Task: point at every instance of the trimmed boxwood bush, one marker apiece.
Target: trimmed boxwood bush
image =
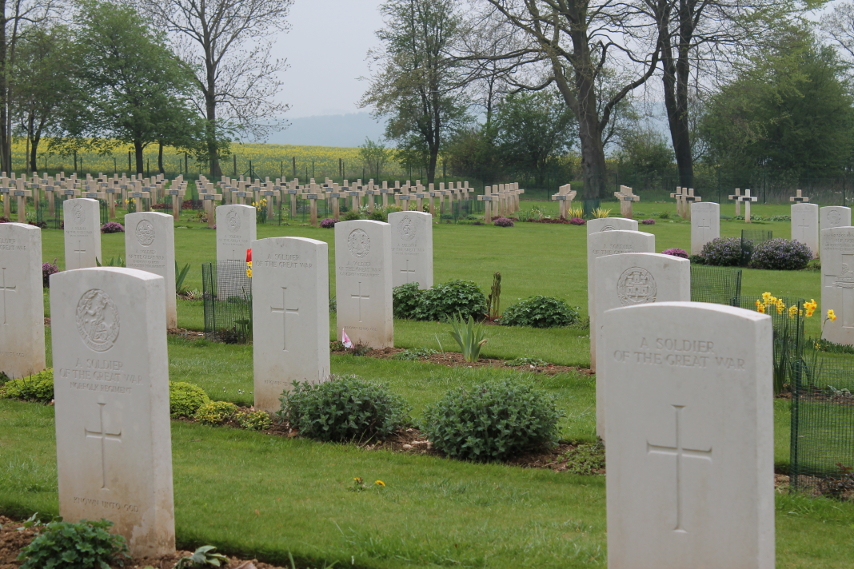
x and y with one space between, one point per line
539 312
342 409
185 399
726 252
36 387
781 255
492 421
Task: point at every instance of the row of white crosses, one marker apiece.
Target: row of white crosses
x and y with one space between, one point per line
500 201
684 198
564 196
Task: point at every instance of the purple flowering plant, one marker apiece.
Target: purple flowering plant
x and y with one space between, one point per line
112 227
648 221
577 221
676 252
781 255
47 270
328 223
502 222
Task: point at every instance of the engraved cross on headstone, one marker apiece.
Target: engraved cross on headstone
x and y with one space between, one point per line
409 272
360 297
4 289
284 311
680 452
80 250
104 436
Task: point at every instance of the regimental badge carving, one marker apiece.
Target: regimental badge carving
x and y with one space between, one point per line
233 220
358 243
407 228
834 217
636 286
608 228
97 320
145 233
79 214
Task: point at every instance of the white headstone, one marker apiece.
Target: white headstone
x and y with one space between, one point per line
290 307
111 382
150 246
837 284
629 279
830 217
690 428
805 225
411 248
611 224
610 242
363 282
705 224
21 303
235 231
82 219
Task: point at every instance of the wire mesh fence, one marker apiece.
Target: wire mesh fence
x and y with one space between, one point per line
719 285
822 440
227 295
750 238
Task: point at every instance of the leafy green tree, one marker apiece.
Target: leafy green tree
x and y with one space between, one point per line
532 129
418 84
789 112
471 153
138 90
44 88
374 155
645 152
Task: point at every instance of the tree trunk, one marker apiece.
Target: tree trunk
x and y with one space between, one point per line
137 150
675 78
160 158
5 138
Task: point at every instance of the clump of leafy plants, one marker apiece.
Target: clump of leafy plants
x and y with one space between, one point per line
649 221
112 227
345 408
440 302
586 459
47 270
414 354
539 312
328 223
781 255
726 251
492 421
185 399
351 215
36 387
204 556
502 222
215 412
83 545
253 420
469 337
676 252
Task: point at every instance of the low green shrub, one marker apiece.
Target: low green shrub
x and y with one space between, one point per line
344 408
408 302
351 215
36 387
253 420
726 252
539 312
455 297
66 545
586 459
414 354
215 412
185 399
492 421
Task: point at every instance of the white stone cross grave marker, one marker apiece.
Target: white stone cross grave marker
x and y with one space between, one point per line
680 201
746 199
798 198
627 198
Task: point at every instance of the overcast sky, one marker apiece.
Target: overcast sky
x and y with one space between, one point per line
326 50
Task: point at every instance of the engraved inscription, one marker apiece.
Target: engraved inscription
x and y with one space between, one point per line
233 220
679 352
145 233
358 243
97 320
636 286
78 213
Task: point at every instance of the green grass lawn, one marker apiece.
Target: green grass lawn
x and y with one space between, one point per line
270 497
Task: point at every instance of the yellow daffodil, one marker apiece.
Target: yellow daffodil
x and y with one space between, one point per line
380 483
760 307
793 311
781 306
831 315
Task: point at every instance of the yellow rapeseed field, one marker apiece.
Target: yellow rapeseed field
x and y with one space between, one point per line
273 160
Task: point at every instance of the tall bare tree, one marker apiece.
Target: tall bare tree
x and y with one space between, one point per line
575 42
226 43
16 17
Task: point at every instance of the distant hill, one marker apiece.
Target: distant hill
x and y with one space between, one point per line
330 130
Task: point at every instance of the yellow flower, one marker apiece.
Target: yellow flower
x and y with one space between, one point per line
766 298
781 306
380 483
249 273
357 479
793 311
831 315
760 307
